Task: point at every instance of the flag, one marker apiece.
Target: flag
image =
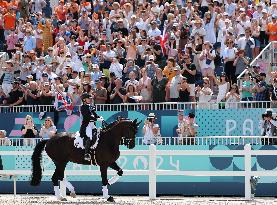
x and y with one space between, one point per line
63 103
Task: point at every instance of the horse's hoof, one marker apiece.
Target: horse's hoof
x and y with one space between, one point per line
110 199
73 194
63 199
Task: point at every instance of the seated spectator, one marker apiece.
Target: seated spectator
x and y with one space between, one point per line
31 94
204 94
48 129
4 140
131 94
132 79
182 123
232 97
15 96
100 93
29 131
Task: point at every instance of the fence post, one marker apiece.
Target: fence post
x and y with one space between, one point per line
247 167
63 187
152 171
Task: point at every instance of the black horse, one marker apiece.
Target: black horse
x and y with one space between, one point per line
61 150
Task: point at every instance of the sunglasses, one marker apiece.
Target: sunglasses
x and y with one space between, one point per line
47 120
206 83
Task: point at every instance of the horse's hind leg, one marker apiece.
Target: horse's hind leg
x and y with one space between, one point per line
103 170
114 179
58 175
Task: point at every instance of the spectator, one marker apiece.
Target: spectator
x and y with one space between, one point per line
31 94
7 77
260 89
15 97
173 87
116 68
29 131
240 62
144 86
132 94
159 86
247 85
46 95
223 87
184 90
151 130
232 97
118 94
204 94
182 124
100 93
229 55
189 130
4 141
48 129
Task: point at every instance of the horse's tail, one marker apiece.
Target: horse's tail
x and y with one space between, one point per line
36 163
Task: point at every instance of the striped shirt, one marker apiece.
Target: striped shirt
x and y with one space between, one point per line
8 77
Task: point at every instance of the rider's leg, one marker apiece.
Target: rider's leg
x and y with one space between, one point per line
87 148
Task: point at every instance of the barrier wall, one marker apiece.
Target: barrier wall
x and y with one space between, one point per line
229 122
223 122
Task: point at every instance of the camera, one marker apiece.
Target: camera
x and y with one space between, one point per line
150 120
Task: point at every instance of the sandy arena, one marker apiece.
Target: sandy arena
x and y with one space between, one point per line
130 200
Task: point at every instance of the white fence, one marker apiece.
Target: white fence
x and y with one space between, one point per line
153 172
145 106
212 140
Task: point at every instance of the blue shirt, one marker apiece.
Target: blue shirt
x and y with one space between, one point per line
29 43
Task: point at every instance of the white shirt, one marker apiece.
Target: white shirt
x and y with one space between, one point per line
154 33
174 93
229 53
148 137
242 42
117 68
200 31
210 31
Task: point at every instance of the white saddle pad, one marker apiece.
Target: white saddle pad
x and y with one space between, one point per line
79 142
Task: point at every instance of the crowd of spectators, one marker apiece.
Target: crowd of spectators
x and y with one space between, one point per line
131 51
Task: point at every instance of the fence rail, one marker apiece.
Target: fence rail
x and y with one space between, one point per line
214 140
146 106
153 172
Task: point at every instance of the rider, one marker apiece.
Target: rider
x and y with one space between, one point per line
88 130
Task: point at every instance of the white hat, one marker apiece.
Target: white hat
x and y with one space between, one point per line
230 30
264 11
4 132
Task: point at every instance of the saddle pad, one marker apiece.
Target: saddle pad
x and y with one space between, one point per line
78 142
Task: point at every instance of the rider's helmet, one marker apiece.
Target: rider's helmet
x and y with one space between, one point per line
85 96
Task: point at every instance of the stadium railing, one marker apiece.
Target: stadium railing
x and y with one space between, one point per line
146 106
212 140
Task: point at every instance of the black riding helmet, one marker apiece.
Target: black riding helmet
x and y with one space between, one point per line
85 96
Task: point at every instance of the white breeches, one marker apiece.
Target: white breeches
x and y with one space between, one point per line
7 88
89 129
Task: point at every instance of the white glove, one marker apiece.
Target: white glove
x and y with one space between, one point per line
101 119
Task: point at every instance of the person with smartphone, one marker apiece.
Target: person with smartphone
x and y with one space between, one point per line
151 130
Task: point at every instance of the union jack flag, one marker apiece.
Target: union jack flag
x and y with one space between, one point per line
64 103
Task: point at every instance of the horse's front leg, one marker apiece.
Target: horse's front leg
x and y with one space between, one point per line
103 170
114 179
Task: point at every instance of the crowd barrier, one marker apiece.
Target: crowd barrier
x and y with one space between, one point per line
146 106
214 140
152 172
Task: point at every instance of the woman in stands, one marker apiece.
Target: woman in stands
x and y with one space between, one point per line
48 129
29 131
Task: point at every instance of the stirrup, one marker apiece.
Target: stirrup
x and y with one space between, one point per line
87 157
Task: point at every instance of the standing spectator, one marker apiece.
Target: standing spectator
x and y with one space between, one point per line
9 20
173 87
247 85
116 68
241 62
232 97
144 86
7 77
190 129
229 55
247 43
31 94
11 40
223 87
272 29
204 94
184 90
207 62
29 41
150 130
118 94
260 89
29 131
48 129
46 95
189 71
159 86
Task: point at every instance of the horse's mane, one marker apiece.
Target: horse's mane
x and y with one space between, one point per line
111 125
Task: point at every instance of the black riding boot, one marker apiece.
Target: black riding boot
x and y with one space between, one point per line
87 148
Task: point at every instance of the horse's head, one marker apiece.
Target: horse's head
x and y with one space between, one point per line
129 132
